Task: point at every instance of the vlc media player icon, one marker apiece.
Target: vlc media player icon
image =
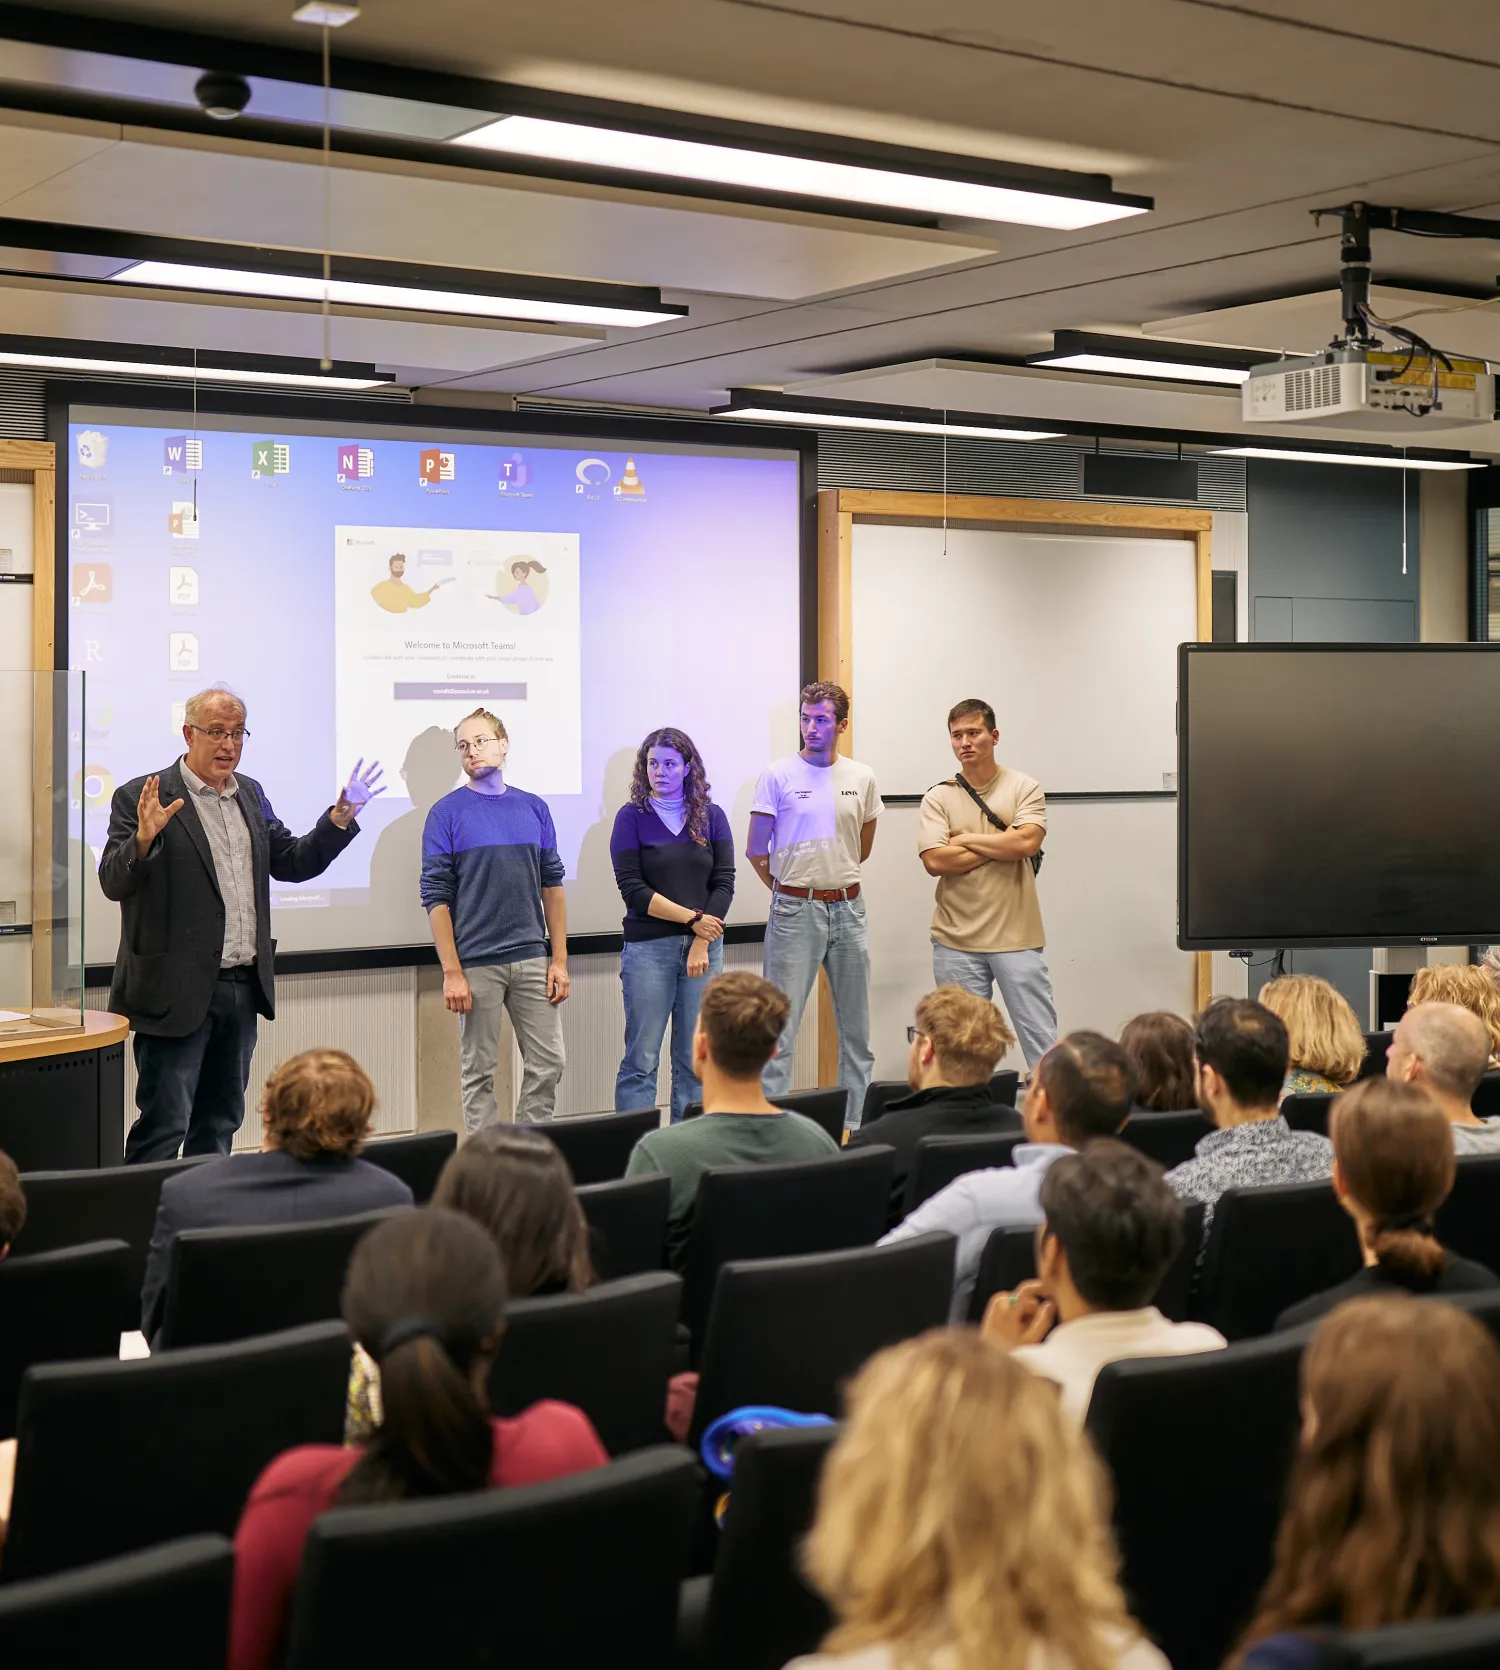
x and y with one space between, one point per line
629 485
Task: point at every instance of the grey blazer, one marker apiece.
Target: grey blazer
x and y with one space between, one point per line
171 911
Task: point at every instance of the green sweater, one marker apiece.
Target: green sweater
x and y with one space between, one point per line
686 1150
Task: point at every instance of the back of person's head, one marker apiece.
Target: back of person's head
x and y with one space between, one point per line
425 1297
1161 1046
1323 1032
1393 1512
1489 965
1449 1041
1471 988
1393 1147
318 1104
968 1034
741 1017
959 1512
1246 1045
1117 1222
1090 1084
517 1185
12 1202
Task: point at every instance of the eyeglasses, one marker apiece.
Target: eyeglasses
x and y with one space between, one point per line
219 734
913 1033
474 747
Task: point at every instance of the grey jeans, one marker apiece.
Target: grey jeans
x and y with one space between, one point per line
521 989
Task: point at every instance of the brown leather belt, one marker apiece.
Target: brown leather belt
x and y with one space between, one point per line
825 895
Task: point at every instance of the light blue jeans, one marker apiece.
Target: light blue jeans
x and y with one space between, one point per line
658 989
803 936
1024 983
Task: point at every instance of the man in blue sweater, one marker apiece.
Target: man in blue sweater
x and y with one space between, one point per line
492 888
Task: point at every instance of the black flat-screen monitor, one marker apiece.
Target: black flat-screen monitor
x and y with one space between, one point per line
1333 794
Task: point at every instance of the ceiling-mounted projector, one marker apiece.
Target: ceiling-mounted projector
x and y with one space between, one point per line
1369 388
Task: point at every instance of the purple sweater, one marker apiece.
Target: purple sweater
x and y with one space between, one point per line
649 858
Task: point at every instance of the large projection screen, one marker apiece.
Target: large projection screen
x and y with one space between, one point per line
1338 795
258 554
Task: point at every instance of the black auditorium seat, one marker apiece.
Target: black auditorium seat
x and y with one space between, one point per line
1309 1111
879 1095
573 1574
1468 1221
116 1456
823 1107
939 1160
415 1159
1005 1086
1486 1098
1168 1138
627 1224
1471 1643
1377 1048
597 1146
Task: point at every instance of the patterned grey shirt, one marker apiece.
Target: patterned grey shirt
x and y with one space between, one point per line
1250 1157
229 838
1483 1138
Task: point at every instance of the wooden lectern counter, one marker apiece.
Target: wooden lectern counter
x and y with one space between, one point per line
62 1095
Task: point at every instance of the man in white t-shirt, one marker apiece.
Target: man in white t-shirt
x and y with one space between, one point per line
812 824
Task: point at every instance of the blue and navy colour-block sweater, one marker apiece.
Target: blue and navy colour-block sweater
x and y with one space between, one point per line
488 857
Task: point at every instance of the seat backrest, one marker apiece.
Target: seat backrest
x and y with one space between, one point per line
1004 1087
1468 1221
115 1203
608 1351
879 1093
777 1211
1268 1248
939 1160
1199 1448
1167 1138
1486 1098
59 1307
597 1147
573 1574
1471 1643
1483 1306
627 1224
416 1160
226 1284
116 1456
790 1331
171 1604
1377 1048
761 1613
1309 1111
827 1108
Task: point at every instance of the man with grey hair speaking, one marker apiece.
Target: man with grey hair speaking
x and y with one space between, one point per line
194 969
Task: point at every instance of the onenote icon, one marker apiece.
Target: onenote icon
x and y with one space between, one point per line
93 448
435 465
269 458
591 472
515 472
629 484
356 463
181 452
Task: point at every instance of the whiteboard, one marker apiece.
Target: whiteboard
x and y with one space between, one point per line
1071 638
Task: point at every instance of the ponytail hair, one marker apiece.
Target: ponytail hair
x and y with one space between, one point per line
425 1297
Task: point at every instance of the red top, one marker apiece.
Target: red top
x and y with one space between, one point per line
549 1441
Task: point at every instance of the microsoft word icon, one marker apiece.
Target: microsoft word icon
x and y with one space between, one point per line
181 452
269 458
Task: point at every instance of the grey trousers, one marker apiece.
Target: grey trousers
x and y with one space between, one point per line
521 989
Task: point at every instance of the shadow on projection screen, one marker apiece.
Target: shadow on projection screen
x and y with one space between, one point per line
364 590
1338 795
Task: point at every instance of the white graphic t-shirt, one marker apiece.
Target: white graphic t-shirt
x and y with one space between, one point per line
819 812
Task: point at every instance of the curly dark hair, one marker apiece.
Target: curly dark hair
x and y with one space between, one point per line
695 784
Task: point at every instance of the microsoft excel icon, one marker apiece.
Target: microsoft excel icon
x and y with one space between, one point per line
268 458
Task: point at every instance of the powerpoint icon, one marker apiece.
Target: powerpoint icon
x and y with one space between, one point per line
434 466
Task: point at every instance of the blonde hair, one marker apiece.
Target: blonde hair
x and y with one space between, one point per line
1461 983
960 1512
501 734
968 1034
215 696
1323 1031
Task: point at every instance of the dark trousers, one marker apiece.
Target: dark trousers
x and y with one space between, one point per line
190 1092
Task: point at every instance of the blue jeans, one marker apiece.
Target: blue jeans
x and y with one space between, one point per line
190 1092
658 989
803 936
1024 983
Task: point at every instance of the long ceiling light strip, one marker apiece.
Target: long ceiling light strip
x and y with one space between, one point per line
761 407
1128 356
1115 366
803 176
178 275
100 365
1388 461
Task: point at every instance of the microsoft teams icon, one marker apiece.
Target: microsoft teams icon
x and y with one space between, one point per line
181 452
356 463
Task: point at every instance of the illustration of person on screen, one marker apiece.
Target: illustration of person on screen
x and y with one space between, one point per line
523 598
395 596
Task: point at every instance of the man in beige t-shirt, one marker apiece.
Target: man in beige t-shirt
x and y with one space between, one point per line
987 923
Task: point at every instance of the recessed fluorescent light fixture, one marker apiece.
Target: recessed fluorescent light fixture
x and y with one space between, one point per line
1373 460
764 407
807 165
115 359
1135 356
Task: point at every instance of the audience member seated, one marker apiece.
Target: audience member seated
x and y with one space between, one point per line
1110 1230
1082 1088
12 1203
1392 1169
1325 1044
516 1185
425 1297
1393 1511
1445 1049
315 1115
1161 1046
1489 965
962 1522
1239 1065
957 1043
1470 988
739 1022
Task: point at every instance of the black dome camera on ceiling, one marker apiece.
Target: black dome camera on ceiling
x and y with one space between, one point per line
221 96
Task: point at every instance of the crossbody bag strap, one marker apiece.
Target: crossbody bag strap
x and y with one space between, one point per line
984 806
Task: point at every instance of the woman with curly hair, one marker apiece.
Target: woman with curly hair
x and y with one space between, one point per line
674 864
1393 1513
1469 987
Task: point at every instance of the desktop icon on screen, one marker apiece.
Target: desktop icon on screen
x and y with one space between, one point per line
93 582
181 452
182 652
356 463
182 587
93 449
435 465
91 516
269 458
515 473
630 485
182 519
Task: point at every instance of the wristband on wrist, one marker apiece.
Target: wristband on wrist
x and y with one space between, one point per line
694 920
